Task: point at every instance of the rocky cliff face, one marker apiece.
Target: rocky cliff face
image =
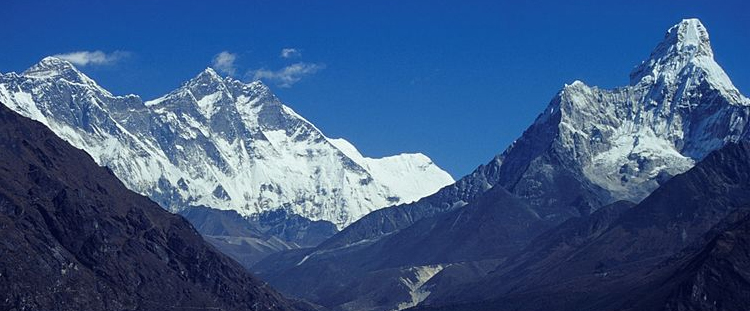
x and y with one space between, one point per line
220 143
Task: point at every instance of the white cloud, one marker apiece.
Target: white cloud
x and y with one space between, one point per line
84 58
290 53
224 62
287 76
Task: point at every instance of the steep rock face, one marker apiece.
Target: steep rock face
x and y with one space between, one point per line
75 238
218 142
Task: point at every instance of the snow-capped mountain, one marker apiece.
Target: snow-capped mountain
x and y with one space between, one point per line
218 142
621 143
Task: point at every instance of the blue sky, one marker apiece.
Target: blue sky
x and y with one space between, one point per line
456 80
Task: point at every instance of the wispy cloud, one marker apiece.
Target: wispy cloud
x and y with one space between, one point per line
85 58
290 53
224 63
287 76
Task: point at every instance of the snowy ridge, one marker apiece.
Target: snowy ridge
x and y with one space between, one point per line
218 142
395 170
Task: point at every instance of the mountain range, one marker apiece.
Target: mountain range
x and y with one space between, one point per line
589 157
632 198
220 143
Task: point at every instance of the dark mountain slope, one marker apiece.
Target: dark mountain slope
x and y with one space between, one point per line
495 226
634 257
717 278
390 219
456 284
249 240
711 274
74 238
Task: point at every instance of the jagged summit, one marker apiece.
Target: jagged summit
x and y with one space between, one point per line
685 52
209 75
52 67
680 106
682 45
209 81
211 72
206 77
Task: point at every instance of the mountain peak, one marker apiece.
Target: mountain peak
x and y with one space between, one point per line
210 72
682 44
52 60
51 66
689 35
208 76
207 82
259 85
574 84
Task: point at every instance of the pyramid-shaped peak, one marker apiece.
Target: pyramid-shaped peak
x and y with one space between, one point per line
204 83
55 61
683 43
57 68
207 75
211 72
51 66
689 34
